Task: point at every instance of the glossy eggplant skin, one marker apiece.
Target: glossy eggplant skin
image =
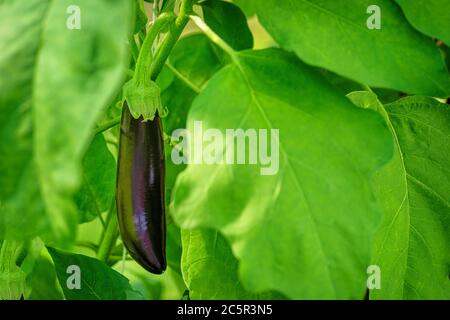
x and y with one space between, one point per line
141 191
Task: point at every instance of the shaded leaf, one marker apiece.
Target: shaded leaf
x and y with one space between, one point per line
141 19
228 21
431 17
42 280
347 86
98 182
210 269
334 35
248 6
168 5
98 281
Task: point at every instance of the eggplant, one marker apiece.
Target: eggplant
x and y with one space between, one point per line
141 190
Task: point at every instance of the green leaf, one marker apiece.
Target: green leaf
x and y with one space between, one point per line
168 5
312 222
431 18
173 247
99 181
412 246
347 86
46 134
168 286
42 280
141 17
98 281
228 21
196 59
134 295
248 6
334 35
12 278
21 24
446 51
86 70
210 270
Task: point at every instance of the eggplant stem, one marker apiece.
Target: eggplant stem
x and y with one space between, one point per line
164 50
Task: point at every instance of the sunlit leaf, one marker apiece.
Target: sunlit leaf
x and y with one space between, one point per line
294 226
412 246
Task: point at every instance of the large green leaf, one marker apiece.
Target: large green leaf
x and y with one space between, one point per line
229 22
307 230
431 17
56 83
99 181
20 29
210 270
98 281
333 35
412 246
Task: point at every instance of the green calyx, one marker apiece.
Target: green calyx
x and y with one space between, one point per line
143 99
141 93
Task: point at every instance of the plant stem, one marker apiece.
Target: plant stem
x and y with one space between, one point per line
124 257
155 14
215 38
169 41
110 236
99 215
134 48
107 125
87 244
184 79
144 62
367 88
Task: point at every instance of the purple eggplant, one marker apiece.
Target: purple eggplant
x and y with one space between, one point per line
141 191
